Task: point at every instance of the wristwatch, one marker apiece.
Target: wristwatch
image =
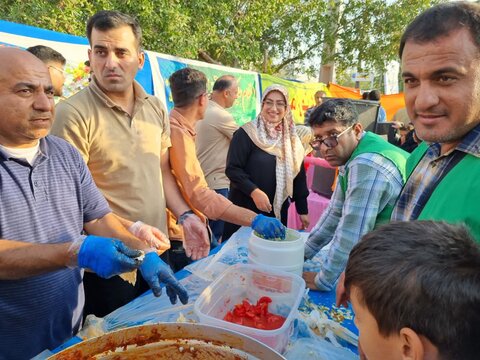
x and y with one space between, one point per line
181 219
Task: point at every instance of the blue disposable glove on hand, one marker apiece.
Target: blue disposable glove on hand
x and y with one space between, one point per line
107 257
155 271
268 227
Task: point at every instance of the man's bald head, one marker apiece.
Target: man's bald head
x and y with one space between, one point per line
225 91
13 59
26 98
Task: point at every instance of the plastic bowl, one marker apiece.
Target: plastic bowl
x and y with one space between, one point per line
245 281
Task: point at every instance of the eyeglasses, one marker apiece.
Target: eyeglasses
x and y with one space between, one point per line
330 141
271 104
58 69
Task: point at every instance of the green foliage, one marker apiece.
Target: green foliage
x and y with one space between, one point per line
282 36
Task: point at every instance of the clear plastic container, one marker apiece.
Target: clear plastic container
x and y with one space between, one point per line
246 281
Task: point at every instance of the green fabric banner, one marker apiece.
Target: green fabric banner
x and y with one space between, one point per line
245 107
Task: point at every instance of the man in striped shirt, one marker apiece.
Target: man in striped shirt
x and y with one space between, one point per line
47 197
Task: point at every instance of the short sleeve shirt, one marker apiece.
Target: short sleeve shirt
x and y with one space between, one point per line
45 203
122 152
214 134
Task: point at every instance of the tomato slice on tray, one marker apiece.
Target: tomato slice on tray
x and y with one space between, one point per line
255 316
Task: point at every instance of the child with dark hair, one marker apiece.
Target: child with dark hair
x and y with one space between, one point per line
415 290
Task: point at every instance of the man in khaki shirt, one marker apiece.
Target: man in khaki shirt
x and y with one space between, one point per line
214 134
123 134
189 92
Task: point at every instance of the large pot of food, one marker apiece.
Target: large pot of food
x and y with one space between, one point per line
181 341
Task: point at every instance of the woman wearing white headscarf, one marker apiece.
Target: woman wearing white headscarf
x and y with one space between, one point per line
265 162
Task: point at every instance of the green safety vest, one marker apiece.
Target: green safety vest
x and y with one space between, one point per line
456 199
372 143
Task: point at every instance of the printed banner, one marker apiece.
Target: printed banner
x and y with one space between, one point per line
245 107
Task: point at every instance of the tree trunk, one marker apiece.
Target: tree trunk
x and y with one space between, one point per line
265 60
327 68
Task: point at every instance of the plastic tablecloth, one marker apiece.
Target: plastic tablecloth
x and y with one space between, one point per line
147 309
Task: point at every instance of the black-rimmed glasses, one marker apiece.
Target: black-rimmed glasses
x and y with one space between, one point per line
329 141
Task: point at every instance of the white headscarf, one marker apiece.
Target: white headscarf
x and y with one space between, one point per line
282 141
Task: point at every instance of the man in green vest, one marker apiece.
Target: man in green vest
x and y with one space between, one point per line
371 175
440 52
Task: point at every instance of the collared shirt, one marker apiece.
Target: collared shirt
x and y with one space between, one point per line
189 175
214 134
122 152
427 174
373 183
46 203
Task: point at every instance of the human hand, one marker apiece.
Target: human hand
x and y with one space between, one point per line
309 277
155 271
261 200
196 242
151 236
268 227
340 292
106 257
305 221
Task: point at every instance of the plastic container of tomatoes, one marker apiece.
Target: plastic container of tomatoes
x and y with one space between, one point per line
251 283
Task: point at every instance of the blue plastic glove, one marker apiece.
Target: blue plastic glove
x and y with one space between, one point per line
107 257
268 227
155 271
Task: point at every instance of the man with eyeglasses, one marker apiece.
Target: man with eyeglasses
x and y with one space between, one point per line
55 63
371 175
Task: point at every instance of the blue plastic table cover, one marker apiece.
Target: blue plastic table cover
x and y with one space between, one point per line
233 251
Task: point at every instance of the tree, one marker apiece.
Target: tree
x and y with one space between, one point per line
282 36
368 31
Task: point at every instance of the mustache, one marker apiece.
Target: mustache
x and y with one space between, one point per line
42 115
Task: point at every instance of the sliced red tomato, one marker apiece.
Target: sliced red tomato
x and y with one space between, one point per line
256 316
228 317
264 299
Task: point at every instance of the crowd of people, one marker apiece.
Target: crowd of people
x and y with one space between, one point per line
107 183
